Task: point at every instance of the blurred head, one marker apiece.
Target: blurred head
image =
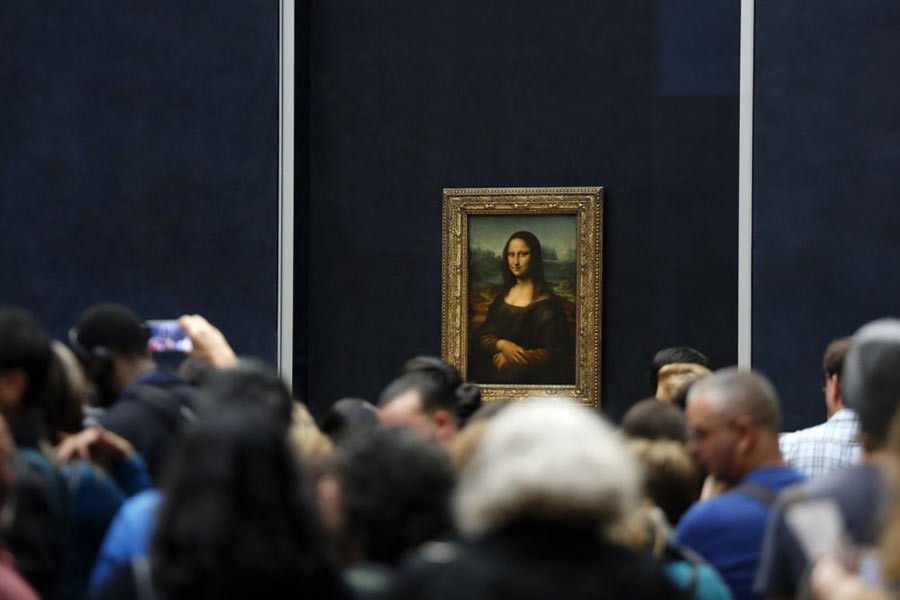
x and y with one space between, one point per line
733 419
67 392
428 397
466 442
449 390
250 384
871 379
113 327
346 416
238 518
675 354
653 420
672 378
109 339
832 365
550 460
24 361
671 478
392 494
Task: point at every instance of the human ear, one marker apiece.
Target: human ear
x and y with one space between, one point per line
444 425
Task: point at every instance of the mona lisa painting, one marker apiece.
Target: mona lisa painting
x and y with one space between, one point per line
522 282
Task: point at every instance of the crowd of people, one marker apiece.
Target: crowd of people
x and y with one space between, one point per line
123 479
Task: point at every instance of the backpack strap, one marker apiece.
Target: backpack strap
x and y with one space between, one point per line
143 577
757 491
675 552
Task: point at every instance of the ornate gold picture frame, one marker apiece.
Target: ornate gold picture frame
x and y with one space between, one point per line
522 281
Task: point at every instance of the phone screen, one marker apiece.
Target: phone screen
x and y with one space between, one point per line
167 336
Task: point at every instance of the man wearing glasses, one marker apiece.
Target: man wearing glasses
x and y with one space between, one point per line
832 445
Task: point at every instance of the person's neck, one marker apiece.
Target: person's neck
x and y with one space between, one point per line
135 368
768 455
835 408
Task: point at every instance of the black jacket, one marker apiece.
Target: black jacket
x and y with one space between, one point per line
149 413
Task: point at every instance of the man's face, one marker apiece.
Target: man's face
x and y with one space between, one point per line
406 411
712 440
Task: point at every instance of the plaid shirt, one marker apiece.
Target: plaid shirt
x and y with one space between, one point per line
819 450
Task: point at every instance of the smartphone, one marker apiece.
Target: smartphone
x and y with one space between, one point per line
167 336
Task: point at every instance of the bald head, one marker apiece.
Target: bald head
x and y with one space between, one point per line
733 393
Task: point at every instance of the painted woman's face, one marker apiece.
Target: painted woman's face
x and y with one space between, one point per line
518 257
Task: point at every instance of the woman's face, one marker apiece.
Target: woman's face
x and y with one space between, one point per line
518 257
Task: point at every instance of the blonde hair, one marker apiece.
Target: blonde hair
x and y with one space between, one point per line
672 378
313 447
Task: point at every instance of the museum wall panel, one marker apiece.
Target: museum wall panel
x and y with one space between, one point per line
826 215
140 147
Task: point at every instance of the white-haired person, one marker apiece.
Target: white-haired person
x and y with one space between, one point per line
535 506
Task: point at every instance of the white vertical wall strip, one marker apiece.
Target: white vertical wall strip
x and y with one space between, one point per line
286 190
745 189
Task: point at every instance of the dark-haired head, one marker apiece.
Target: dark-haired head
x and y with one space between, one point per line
24 356
446 389
252 385
395 489
675 354
438 384
536 264
238 519
346 417
654 420
113 327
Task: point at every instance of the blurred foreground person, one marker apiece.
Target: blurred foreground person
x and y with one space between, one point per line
858 495
238 521
546 484
671 485
733 422
12 585
388 493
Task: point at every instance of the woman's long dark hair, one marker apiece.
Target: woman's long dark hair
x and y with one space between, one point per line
535 267
238 520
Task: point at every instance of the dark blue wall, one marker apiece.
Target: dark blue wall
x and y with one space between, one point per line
410 97
138 161
826 202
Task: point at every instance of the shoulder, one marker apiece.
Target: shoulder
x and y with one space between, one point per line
710 515
802 435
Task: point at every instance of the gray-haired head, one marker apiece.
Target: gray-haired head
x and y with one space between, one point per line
550 460
871 378
739 392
